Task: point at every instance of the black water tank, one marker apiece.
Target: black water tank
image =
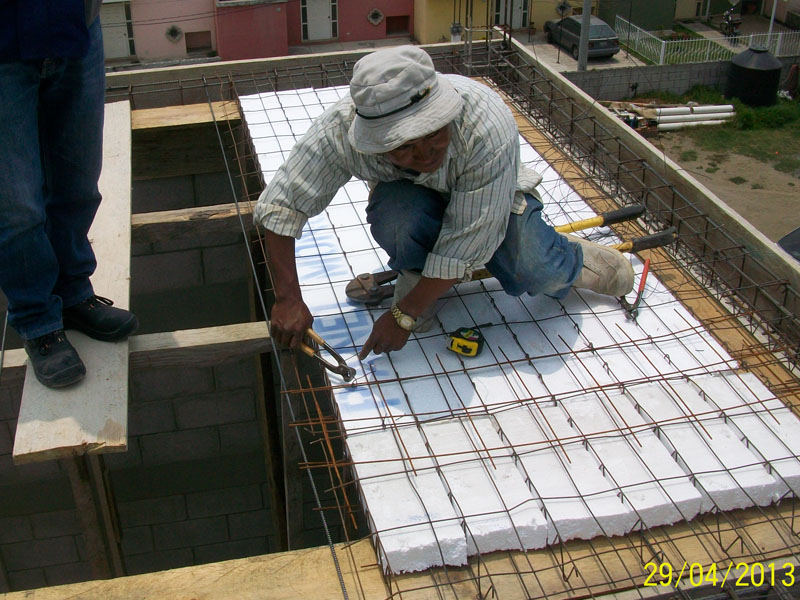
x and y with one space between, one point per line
754 77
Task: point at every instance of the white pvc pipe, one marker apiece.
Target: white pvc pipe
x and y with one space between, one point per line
689 118
673 126
688 110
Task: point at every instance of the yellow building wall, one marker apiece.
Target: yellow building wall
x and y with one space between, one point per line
686 9
433 18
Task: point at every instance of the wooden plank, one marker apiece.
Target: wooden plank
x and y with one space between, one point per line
202 347
91 416
185 223
308 573
199 347
184 116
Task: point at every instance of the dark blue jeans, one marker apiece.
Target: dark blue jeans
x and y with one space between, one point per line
51 135
405 219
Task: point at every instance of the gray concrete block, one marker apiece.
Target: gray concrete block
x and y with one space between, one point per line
224 501
9 409
70 573
214 409
236 374
150 417
152 510
249 524
6 436
26 580
176 446
169 382
230 550
55 524
171 271
226 263
158 561
15 529
39 553
132 457
136 540
21 497
165 193
222 238
212 188
194 532
215 473
240 437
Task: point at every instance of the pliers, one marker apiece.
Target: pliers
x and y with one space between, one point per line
340 368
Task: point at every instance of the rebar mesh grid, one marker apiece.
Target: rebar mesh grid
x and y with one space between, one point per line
565 568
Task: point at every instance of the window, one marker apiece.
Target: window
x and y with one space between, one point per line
198 42
397 25
698 9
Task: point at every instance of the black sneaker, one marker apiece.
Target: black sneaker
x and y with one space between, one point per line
55 362
99 320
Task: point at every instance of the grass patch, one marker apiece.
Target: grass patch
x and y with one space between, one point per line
712 169
787 165
738 180
689 156
756 186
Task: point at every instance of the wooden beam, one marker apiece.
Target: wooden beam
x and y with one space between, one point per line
199 347
308 573
197 222
176 117
91 416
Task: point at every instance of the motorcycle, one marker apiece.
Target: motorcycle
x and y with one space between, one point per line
730 25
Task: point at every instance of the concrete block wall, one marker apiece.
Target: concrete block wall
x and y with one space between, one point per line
192 487
40 535
191 282
628 82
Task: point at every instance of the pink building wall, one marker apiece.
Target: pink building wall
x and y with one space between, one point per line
252 31
353 23
151 20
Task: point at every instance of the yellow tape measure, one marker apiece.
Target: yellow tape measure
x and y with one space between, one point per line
466 341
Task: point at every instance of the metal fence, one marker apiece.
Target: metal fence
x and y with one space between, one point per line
666 52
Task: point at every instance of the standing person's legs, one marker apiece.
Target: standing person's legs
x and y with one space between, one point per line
28 264
71 136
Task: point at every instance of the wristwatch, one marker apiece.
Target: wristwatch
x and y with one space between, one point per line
405 321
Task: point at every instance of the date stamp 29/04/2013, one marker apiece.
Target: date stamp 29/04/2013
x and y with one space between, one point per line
737 574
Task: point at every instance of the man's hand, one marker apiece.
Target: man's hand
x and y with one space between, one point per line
290 320
386 336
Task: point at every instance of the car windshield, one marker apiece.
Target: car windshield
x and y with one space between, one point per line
601 30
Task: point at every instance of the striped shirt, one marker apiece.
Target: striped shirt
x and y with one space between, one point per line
481 174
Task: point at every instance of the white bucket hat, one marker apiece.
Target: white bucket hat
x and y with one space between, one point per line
398 97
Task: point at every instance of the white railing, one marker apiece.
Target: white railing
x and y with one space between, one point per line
704 49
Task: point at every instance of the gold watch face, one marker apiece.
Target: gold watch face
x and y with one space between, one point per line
407 322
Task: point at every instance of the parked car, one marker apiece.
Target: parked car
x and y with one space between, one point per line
603 40
791 243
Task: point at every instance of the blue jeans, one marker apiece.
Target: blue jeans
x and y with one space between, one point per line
51 135
405 219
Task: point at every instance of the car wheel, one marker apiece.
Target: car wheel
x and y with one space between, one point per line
575 52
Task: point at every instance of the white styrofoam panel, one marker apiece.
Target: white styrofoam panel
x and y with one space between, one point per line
504 516
619 458
408 506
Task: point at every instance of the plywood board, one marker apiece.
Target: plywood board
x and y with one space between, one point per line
91 416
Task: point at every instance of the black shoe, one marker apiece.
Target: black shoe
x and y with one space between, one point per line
99 320
55 362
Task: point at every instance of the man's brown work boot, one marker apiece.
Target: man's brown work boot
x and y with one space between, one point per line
406 281
605 270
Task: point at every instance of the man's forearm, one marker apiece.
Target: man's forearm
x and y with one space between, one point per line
280 254
425 293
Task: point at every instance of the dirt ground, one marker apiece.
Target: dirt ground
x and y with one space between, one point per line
768 199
